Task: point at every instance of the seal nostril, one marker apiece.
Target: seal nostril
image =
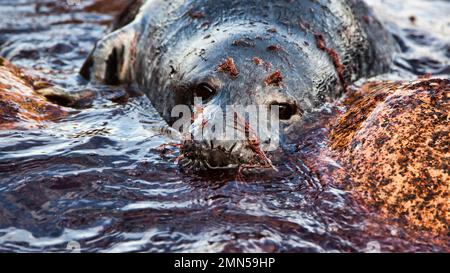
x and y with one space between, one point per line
205 91
286 110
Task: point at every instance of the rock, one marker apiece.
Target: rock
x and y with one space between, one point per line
20 105
393 143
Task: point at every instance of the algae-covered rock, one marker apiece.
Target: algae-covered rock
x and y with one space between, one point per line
394 142
20 105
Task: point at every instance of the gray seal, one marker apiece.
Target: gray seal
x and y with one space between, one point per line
296 55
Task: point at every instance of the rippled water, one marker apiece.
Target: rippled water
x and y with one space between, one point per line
98 180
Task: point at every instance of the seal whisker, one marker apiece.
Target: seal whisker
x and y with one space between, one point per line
203 166
188 164
232 147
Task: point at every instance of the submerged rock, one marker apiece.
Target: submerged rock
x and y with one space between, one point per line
393 143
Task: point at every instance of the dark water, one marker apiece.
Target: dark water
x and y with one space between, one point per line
98 180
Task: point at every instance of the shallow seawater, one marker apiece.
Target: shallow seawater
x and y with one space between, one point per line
97 179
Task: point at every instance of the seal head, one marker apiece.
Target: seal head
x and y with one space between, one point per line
293 55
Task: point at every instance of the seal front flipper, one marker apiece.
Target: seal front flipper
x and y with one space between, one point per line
111 60
129 14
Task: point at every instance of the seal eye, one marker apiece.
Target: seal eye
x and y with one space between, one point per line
286 110
205 91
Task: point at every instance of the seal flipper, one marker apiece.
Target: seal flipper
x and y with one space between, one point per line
112 59
128 15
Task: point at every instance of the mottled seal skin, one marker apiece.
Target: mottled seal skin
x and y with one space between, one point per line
393 142
294 54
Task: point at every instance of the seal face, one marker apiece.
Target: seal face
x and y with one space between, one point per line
296 55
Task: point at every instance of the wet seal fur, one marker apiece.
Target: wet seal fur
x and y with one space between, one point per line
297 55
